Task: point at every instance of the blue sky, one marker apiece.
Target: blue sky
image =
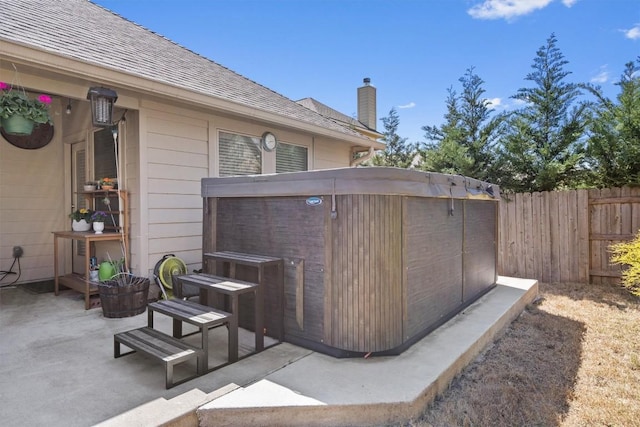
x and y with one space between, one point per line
413 50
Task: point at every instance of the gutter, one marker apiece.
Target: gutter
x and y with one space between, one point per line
359 160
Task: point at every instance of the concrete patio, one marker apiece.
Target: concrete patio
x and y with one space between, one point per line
57 369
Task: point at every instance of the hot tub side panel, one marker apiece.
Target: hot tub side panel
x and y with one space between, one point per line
480 248
288 228
365 294
433 260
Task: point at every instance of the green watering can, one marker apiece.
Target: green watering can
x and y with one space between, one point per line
106 271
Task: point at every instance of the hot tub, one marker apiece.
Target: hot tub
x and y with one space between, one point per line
375 258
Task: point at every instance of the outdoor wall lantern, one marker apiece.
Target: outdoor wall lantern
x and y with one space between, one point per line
102 100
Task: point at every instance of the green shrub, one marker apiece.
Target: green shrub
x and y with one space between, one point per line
628 253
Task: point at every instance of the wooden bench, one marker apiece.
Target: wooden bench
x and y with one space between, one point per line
202 316
163 347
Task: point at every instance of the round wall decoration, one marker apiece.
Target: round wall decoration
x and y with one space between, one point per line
269 141
41 136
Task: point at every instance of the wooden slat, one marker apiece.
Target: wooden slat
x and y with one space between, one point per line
582 232
546 238
606 200
605 273
617 237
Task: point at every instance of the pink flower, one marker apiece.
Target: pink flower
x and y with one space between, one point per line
4 86
45 99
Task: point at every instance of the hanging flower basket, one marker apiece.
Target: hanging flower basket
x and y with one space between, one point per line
17 125
19 113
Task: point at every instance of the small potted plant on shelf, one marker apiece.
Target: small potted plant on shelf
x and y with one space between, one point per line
81 219
19 113
89 186
108 183
98 218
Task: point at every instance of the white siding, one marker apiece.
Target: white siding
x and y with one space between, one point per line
329 155
32 206
176 161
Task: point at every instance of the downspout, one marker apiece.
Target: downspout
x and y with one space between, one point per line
356 162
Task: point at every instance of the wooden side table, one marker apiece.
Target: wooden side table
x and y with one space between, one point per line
76 281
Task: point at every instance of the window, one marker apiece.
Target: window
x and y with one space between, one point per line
291 158
239 154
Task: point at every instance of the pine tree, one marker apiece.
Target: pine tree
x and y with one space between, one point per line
464 144
614 141
398 153
543 148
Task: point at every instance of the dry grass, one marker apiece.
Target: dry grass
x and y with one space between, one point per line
571 359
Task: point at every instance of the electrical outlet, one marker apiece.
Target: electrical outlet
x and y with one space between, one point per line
17 251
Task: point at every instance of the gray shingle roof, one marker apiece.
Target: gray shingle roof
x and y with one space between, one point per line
85 31
329 112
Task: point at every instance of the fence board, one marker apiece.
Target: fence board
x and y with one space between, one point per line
584 255
538 224
565 235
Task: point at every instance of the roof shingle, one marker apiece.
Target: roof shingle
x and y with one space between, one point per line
87 32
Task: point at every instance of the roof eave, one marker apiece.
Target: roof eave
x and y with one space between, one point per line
97 74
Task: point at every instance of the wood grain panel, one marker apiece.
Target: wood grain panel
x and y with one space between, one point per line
366 286
284 227
433 261
479 248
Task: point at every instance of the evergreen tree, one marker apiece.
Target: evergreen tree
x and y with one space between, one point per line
398 153
614 141
464 144
543 148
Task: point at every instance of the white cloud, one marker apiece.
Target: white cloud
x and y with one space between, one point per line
494 103
633 33
569 3
409 105
519 102
602 76
507 9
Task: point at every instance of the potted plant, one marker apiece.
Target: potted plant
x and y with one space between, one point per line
98 218
108 183
89 186
19 113
81 219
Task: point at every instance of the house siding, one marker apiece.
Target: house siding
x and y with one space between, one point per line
328 155
166 149
30 190
176 160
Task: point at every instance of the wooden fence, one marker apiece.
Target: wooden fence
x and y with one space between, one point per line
563 236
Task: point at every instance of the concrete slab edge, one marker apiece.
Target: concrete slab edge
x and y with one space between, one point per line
179 411
374 414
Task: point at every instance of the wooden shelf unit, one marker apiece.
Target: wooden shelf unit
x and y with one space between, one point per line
94 201
78 282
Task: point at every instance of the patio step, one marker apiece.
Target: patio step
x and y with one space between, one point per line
179 410
160 346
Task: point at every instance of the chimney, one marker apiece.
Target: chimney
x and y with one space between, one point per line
367 104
